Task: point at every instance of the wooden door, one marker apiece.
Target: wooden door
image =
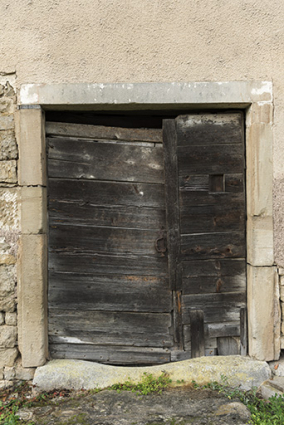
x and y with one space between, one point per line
109 293
204 165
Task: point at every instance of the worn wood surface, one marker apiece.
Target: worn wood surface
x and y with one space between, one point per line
197 340
107 327
209 276
110 292
103 132
206 128
243 332
114 355
228 346
83 159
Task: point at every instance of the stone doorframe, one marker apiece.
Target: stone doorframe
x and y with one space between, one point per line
255 98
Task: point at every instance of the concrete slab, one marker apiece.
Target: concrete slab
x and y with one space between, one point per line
242 372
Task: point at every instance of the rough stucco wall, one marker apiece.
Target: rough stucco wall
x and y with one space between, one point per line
151 40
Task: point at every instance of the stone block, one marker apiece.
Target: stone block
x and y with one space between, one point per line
32 158
7 122
8 145
282 293
260 241
2 318
32 307
7 280
266 390
7 303
34 210
11 319
8 356
8 171
7 105
259 169
9 213
8 336
7 259
281 280
261 113
263 314
9 373
24 373
5 384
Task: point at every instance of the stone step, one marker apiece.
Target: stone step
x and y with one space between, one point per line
272 387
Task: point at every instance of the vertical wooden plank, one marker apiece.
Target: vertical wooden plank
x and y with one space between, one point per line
177 320
197 333
243 331
172 198
228 346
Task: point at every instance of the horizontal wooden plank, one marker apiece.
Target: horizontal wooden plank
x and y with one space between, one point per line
213 245
209 276
101 264
234 183
208 128
103 132
217 307
179 355
108 193
81 159
218 159
115 355
216 330
112 328
74 213
190 198
213 218
110 292
104 240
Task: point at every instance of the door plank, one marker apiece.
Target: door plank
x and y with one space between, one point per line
209 276
208 128
197 333
213 245
114 355
110 292
195 199
228 346
104 161
103 132
99 328
108 193
74 213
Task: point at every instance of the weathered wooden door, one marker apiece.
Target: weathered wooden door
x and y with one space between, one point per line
147 240
204 164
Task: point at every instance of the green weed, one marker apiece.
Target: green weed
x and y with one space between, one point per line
149 384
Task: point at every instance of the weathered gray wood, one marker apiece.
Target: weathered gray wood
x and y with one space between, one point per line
177 320
228 346
192 198
127 264
234 183
215 330
217 307
210 344
209 276
74 213
219 159
108 193
213 245
103 132
243 331
172 197
197 333
104 240
114 355
199 183
112 328
104 161
208 128
177 356
213 218
109 292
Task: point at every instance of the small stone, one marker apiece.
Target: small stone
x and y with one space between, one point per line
7 280
11 319
9 373
25 373
8 356
8 171
235 408
2 318
7 122
7 105
8 336
7 303
25 414
8 145
9 90
5 384
266 390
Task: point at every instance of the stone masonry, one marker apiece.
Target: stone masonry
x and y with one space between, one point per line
10 363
